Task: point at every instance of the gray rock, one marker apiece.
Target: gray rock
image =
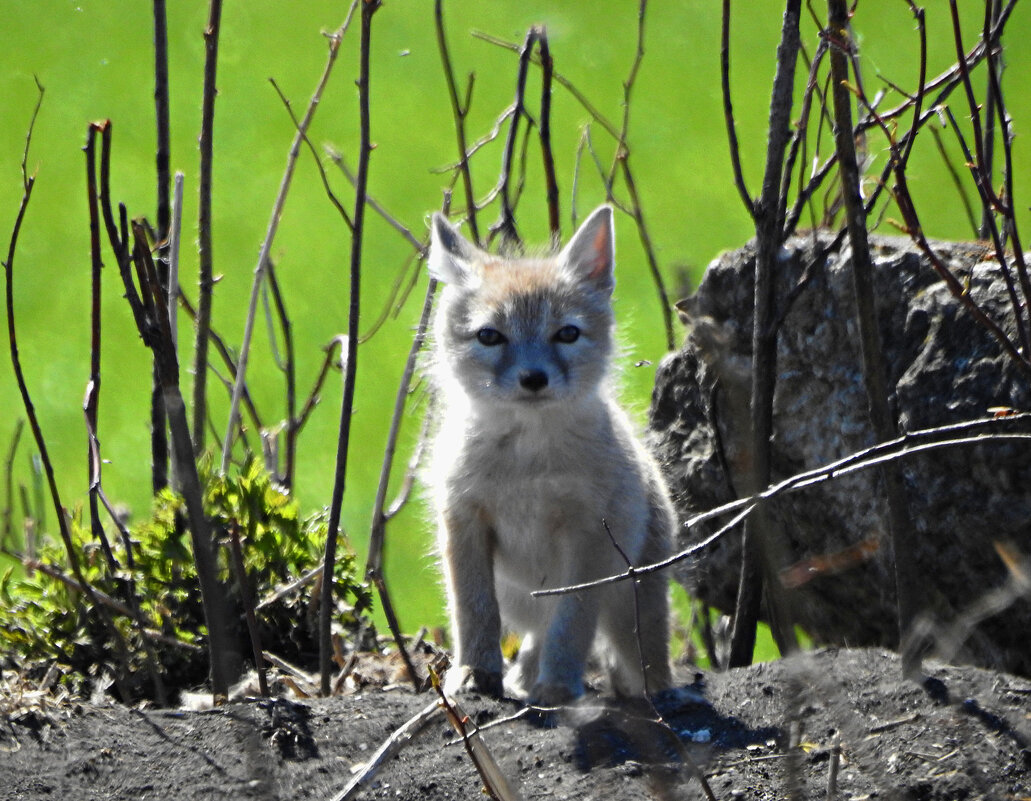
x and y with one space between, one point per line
943 368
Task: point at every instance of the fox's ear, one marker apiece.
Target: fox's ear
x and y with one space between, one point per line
591 253
451 256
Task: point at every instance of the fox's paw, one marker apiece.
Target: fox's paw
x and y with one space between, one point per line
466 679
548 694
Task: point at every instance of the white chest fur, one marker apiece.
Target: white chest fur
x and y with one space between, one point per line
547 481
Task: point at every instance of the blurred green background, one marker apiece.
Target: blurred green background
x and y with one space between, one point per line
96 61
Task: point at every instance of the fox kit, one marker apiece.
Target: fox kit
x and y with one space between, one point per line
533 461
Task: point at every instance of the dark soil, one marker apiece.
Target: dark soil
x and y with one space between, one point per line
965 733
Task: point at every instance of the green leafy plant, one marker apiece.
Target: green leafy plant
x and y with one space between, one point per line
44 619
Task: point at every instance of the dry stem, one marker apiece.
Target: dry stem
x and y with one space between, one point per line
908 444
266 246
369 7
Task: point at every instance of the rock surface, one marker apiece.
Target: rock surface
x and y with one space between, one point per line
943 368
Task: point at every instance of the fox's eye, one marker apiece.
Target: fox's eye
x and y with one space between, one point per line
490 337
567 334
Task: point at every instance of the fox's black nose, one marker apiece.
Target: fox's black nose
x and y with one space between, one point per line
533 380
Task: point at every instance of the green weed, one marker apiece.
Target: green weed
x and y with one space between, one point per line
45 620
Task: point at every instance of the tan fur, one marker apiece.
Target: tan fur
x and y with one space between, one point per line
532 460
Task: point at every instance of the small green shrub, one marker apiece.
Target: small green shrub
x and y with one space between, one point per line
43 620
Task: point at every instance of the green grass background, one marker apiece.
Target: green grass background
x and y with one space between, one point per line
96 61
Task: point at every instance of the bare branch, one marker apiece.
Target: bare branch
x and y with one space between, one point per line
247 599
459 110
875 373
904 446
62 522
561 80
286 475
158 426
91 404
5 534
206 281
759 542
227 358
954 175
496 784
406 233
506 225
156 333
388 750
377 535
798 142
277 209
544 129
315 155
728 111
636 211
369 7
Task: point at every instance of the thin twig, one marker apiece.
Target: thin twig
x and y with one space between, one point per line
377 535
315 155
459 110
293 586
495 783
904 446
992 106
798 140
408 484
875 371
948 80
247 599
227 358
369 7
759 546
622 159
313 398
560 79
988 198
62 521
158 426
174 242
975 107
491 136
206 281
637 605
983 177
400 287
506 226
954 175
728 111
388 750
309 681
266 246
9 482
154 329
286 475
91 404
161 106
544 131
913 227
406 233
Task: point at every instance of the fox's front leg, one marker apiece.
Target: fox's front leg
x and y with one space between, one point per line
567 643
467 551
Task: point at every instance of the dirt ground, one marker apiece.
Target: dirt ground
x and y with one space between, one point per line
964 734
